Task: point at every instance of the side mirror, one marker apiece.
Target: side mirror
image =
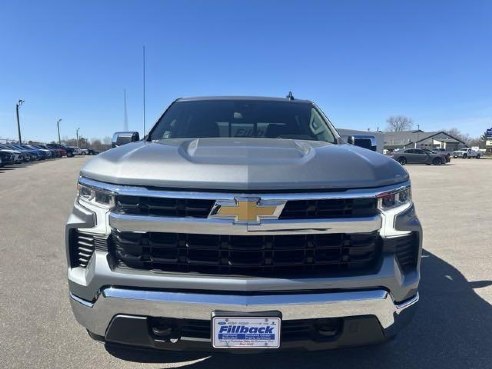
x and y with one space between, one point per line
122 138
351 140
365 141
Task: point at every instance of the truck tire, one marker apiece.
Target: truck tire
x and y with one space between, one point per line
478 156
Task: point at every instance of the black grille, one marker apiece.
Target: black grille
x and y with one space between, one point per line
165 207
332 208
285 255
291 330
199 208
406 249
83 246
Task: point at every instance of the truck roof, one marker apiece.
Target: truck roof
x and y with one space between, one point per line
238 98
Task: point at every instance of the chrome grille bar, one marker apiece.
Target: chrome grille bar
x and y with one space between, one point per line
135 223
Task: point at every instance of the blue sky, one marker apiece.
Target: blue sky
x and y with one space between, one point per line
361 61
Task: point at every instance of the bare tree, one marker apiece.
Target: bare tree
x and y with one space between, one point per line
83 142
398 123
456 133
98 145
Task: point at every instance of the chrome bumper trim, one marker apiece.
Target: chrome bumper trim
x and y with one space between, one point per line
81 301
136 223
97 316
129 190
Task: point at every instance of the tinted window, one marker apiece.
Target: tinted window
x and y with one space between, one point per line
242 118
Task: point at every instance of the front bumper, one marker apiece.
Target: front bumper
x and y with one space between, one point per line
117 304
116 316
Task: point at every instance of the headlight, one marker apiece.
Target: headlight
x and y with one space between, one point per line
394 199
95 196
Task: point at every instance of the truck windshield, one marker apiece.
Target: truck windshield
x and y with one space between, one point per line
243 118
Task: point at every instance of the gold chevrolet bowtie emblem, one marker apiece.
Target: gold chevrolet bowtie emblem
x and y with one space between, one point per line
247 210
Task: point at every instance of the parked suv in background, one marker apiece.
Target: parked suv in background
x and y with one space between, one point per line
243 223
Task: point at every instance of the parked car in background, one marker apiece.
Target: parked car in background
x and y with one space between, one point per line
26 155
34 155
443 151
88 152
59 152
45 154
76 150
61 149
69 152
7 157
23 152
41 154
446 156
417 156
18 156
93 152
466 153
54 152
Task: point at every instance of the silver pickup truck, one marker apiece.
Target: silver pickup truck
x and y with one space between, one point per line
243 223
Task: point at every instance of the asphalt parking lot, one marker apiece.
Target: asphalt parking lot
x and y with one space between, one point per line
452 328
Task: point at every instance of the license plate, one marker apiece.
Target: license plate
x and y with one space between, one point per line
246 332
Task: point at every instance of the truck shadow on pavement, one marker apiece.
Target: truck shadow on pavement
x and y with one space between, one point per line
451 329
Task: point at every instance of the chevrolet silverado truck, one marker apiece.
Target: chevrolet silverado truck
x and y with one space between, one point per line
243 223
466 153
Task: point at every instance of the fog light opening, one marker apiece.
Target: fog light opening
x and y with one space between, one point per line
328 327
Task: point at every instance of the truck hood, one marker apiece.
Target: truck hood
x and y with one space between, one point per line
242 164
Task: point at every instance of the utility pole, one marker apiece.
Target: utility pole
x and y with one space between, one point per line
144 91
58 125
78 146
125 127
19 103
